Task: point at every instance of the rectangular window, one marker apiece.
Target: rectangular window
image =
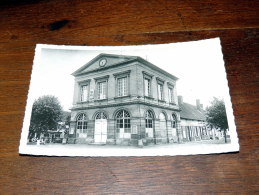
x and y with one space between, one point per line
170 95
127 126
197 132
173 124
122 86
204 131
149 123
84 93
147 87
160 91
101 90
84 127
184 132
79 125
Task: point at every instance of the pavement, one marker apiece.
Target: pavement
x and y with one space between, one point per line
172 149
184 144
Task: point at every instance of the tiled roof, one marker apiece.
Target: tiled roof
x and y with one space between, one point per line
189 111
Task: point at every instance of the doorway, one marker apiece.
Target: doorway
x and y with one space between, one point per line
100 130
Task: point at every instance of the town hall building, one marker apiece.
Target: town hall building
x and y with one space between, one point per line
126 100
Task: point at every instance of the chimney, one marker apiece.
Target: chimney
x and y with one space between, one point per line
199 105
180 99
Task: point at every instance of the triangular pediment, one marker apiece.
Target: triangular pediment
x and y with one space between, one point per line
102 61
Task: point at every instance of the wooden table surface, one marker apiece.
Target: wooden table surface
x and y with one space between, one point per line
24 23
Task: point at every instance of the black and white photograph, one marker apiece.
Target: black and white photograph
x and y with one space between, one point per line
147 100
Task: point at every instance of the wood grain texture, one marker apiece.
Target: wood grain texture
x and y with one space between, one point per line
26 23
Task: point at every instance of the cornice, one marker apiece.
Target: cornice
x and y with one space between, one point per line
84 81
160 80
122 73
147 74
125 103
102 77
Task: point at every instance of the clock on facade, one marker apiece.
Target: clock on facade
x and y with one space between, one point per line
102 62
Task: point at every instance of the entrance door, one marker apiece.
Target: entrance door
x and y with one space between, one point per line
100 131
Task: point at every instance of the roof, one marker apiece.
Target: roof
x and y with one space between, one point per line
125 58
191 112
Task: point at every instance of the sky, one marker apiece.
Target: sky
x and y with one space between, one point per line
199 66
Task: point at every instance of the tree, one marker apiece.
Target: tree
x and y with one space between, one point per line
46 113
66 117
216 115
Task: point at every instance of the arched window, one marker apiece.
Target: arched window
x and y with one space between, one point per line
100 115
123 121
162 116
81 123
173 121
149 119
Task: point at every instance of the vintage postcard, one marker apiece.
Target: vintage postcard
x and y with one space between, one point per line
148 100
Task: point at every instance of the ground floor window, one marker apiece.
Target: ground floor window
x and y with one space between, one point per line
173 124
149 124
184 132
123 124
189 132
197 131
204 131
100 115
149 119
81 125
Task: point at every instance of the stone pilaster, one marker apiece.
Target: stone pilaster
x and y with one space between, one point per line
111 131
90 129
72 132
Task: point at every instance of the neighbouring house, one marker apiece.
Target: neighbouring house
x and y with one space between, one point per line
193 121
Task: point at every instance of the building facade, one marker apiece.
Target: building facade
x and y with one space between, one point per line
124 100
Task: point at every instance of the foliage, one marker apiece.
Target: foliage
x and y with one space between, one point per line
46 113
216 114
66 117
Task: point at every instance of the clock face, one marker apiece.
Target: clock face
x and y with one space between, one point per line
102 62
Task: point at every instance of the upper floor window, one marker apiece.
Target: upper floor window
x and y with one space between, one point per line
147 87
84 93
101 90
170 95
160 89
147 84
101 87
122 86
170 92
122 83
